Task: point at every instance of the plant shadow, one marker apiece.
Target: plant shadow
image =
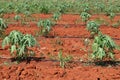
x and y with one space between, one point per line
28 59
107 63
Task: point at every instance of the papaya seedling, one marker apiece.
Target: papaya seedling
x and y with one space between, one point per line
10 5
45 26
110 12
3 26
103 47
85 16
17 10
17 17
62 7
93 28
86 7
56 16
2 11
19 44
27 13
111 16
44 9
99 7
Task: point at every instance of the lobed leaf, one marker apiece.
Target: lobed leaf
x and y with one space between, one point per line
6 41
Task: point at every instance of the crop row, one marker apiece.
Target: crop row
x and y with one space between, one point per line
62 19
20 45
62 6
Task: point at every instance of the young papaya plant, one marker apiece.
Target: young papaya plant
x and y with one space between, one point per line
111 16
10 5
93 27
103 47
86 7
116 25
3 26
56 16
17 17
2 11
99 7
17 10
44 9
62 7
27 13
110 12
45 26
85 16
19 44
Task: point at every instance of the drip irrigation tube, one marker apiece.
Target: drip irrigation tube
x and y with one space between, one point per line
75 37
99 63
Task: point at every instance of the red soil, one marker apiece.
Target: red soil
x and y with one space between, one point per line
70 38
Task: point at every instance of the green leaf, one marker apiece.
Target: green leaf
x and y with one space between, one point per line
17 17
111 55
93 26
101 53
60 56
103 47
5 42
19 42
45 26
28 40
15 37
13 48
56 16
95 47
68 58
85 16
3 25
21 51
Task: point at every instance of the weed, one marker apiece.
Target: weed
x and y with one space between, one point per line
63 60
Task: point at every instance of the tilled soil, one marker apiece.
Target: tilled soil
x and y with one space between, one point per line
68 37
